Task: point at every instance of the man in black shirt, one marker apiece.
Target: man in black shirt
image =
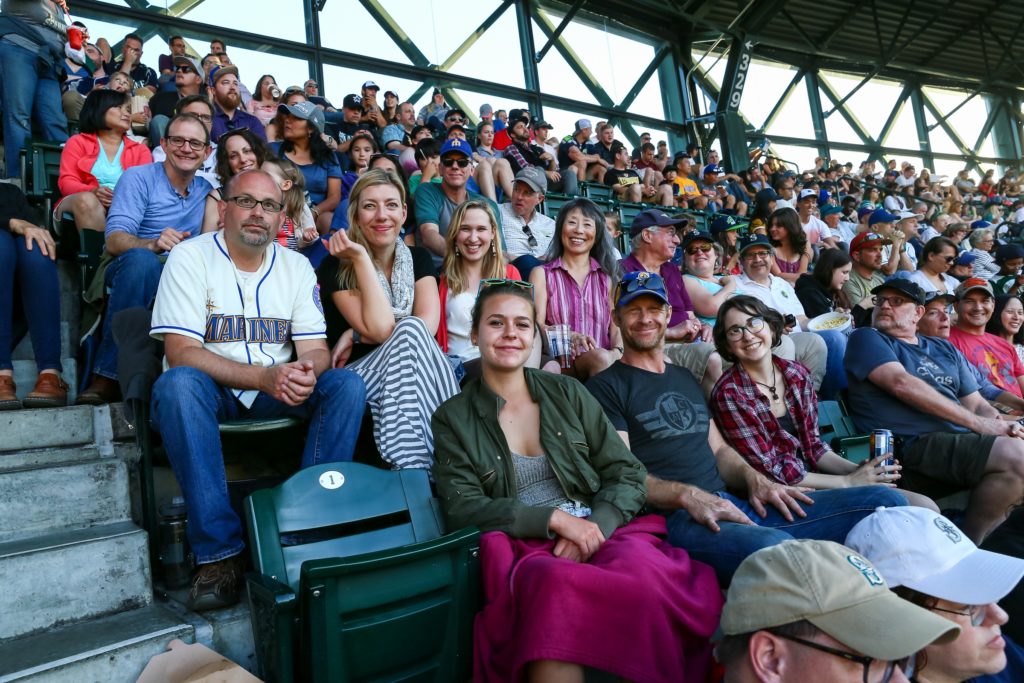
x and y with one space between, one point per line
626 184
522 153
660 412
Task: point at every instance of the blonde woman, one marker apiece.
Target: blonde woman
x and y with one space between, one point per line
382 308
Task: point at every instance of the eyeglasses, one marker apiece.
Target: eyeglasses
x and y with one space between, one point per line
949 259
977 613
449 162
505 282
893 301
757 254
178 141
181 68
643 280
456 119
702 248
247 202
906 664
754 325
311 84
530 239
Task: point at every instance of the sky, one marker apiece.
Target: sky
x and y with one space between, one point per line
616 61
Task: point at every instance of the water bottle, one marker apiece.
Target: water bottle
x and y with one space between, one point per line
175 555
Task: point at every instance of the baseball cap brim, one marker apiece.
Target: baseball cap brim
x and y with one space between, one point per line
886 627
960 583
629 296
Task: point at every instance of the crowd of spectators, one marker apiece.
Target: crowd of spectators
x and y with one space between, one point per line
302 259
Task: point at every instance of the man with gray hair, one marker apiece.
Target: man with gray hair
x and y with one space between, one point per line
526 231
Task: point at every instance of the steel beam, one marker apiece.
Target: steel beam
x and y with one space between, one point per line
471 39
897 107
846 114
524 22
814 102
923 139
634 92
783 98
395 32
558 30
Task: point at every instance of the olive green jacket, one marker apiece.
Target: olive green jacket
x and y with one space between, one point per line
476 478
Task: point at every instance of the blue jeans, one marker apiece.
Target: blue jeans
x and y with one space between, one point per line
132 280
187 407
831 517
28 87
34 276
526 263
834 380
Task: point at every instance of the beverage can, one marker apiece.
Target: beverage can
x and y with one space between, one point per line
882 445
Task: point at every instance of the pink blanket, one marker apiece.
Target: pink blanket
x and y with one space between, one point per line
640 609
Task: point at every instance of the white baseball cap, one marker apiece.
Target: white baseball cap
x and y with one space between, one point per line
924 551
905 214
808 192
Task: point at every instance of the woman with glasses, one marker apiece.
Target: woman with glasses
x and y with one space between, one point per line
792 249
263 104
92 161
767 409
573 286
700 263
932 273
571 578
1007 320
382 309
929 562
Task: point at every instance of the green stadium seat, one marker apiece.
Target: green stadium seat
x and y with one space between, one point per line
553 203
596 192
355 581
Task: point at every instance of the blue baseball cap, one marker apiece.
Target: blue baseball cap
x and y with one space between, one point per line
456 145
980 225
830 209
713 168
639 283
965 258
882 216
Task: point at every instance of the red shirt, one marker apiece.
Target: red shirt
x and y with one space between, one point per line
745 418
994 356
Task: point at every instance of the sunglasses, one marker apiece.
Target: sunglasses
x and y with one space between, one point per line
530 239
448 163
643 281
702 248
184 69
506 283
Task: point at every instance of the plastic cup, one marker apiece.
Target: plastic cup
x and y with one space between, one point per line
560 342
76 37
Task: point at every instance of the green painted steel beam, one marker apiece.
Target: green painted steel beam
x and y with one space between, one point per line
817 120
471 39
783 98
858 128
894 151
524 23
641 82
897 107
395 32
921 122
968 153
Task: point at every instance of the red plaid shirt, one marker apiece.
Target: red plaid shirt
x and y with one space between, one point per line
745 419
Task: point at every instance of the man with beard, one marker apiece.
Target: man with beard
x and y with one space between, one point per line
922 389
228 111
233 308
660 412
156 207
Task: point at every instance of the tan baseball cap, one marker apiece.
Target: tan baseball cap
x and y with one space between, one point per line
835 589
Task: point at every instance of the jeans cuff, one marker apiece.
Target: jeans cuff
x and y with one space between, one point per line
209 559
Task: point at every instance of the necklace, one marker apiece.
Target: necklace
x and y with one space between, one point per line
771 387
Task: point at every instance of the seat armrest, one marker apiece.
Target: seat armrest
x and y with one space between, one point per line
273 614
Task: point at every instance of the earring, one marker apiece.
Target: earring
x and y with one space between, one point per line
494 249
457 252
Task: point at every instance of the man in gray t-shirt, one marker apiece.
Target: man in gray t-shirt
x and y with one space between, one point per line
32 36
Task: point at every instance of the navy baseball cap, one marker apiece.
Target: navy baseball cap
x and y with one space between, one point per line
725 223
1008 252
908 287
639 283
697 236
458 146
713 168
767 195
755 240
882 216
352 101
652 218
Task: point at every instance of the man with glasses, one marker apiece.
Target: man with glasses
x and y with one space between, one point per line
156 207
659 410
436 202
189 80
201 106
817 611
526 231
928 562
949 438
233 308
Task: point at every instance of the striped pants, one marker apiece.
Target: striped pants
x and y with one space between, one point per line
407 378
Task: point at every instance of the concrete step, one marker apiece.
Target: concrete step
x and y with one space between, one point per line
43 500
227 631
49 427
70 576
107 649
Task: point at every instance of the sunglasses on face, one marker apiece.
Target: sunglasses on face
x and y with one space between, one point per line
184 69
448 163
702 248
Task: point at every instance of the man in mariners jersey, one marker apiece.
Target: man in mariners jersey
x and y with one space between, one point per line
233 308
660 412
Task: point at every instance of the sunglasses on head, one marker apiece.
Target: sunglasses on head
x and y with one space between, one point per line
506 283
449 162
644 280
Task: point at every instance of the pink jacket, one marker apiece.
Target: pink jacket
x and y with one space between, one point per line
79 156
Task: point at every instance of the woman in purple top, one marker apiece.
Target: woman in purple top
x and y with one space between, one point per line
792 251
573 288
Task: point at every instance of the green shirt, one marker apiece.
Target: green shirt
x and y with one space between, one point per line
858 287
476 478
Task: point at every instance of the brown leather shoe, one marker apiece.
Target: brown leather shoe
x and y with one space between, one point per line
8 397
216 585
100 390
51 391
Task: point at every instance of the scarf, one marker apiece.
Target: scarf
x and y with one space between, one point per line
402 286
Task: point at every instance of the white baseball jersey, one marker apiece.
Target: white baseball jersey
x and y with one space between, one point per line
245 317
